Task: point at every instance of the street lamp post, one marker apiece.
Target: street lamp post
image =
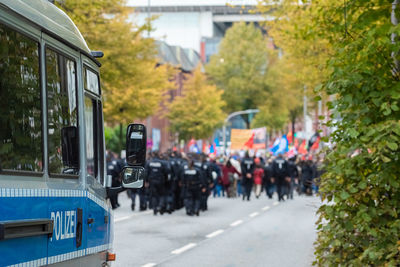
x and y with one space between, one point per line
230 116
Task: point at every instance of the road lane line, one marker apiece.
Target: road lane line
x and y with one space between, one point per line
265 208
183 249
215 233
236 223
124 218
149 265
275 203
254 214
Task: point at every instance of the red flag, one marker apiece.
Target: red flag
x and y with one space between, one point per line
316 144
290 137
250 142
302 148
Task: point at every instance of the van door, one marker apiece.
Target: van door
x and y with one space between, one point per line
66 194
98 219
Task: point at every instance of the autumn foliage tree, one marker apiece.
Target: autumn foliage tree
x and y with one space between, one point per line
132 85
198 112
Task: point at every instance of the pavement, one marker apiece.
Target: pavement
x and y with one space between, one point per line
260 232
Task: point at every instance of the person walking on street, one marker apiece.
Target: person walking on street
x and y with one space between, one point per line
156 177
114 170
269 181
209 182
258 177
307 174
193 184
247 167
280 173
228 178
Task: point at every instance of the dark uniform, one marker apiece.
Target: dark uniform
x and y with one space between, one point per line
193 184
156 176
307 175
269 184
293 174
247 167
114 169
175 193
208 182
280 172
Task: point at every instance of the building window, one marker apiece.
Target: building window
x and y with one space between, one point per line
20 103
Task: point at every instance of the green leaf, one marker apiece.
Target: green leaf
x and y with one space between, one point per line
344 195
362 185
393 146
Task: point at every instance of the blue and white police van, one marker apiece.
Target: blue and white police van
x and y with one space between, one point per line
53 195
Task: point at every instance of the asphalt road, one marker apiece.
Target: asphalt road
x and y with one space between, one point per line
232 232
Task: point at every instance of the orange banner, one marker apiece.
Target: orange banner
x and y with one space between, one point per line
242 139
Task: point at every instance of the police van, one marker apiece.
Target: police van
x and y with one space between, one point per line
53 195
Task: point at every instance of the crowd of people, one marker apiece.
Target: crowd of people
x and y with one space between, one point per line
174 180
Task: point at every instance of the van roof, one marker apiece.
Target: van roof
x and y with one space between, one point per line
50 18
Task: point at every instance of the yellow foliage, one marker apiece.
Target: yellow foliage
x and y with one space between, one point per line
132 85
198 112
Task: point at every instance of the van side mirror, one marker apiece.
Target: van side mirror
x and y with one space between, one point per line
70 147
133 176
136 145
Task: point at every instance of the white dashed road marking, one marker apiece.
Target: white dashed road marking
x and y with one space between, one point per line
265 208
275 203
183 249
215 233
236 223
254 214
149 265
124 218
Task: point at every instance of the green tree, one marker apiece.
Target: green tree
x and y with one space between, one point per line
112 137
198 112
283 101
359 223
240 67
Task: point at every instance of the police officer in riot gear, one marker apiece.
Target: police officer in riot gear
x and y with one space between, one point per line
269 181
169 185
193 185
208 180
280 172
156 177
247 167
175 164
113 169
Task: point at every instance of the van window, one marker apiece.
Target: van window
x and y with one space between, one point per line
91 136
91 81
62 110
20 103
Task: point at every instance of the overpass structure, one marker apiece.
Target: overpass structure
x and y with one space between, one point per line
194 24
